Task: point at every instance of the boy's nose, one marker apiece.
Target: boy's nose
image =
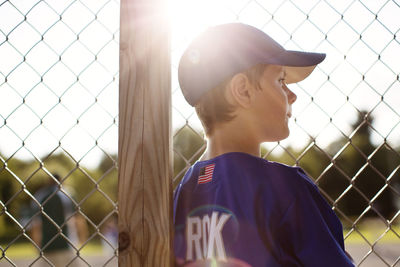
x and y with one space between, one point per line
291 96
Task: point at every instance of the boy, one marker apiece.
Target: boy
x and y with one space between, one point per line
234 208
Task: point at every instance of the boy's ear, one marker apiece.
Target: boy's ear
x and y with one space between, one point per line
239 90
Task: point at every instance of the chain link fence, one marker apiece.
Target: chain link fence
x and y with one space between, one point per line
58 132
59 118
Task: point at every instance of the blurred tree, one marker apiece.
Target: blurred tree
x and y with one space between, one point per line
188 146
100 190
286 156
11 193
95 190
108 162
360 170
80 183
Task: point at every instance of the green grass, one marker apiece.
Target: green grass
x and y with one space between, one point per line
27 250
372 234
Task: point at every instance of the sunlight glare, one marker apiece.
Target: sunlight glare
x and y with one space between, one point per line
189 17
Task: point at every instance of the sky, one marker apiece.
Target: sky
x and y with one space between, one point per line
59 69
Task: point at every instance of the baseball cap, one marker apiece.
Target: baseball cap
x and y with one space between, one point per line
227 49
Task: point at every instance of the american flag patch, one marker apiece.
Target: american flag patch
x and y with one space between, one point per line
206 174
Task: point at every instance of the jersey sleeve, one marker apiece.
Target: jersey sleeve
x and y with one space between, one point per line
312 234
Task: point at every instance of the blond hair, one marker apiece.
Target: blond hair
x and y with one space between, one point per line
214 108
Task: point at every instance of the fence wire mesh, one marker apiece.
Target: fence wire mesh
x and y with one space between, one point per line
59 114
345 133
58 132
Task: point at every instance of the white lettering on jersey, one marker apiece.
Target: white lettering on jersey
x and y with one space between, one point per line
209 231
193 235
215 237
206 232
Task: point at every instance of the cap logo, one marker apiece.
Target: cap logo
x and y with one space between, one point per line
194 56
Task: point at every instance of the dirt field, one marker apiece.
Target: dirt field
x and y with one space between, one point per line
95 261
388 252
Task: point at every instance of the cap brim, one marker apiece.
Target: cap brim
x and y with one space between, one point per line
297 74
299 65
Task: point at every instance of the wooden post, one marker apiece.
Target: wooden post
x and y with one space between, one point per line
144 147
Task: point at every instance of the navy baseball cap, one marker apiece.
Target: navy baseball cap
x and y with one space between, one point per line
225 50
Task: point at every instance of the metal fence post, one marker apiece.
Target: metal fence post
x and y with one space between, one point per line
145 166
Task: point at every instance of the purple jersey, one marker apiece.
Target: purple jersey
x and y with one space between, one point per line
240 210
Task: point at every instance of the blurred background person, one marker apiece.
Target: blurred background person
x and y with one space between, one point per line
58 213
110 232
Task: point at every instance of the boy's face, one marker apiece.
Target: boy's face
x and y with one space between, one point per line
272 105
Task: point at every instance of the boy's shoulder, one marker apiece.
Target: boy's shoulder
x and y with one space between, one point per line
256 169
294 174
292 181
268 170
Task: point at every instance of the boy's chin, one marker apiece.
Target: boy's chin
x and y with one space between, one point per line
278 136
286 134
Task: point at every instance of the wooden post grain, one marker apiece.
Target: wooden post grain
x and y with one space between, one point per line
144 147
